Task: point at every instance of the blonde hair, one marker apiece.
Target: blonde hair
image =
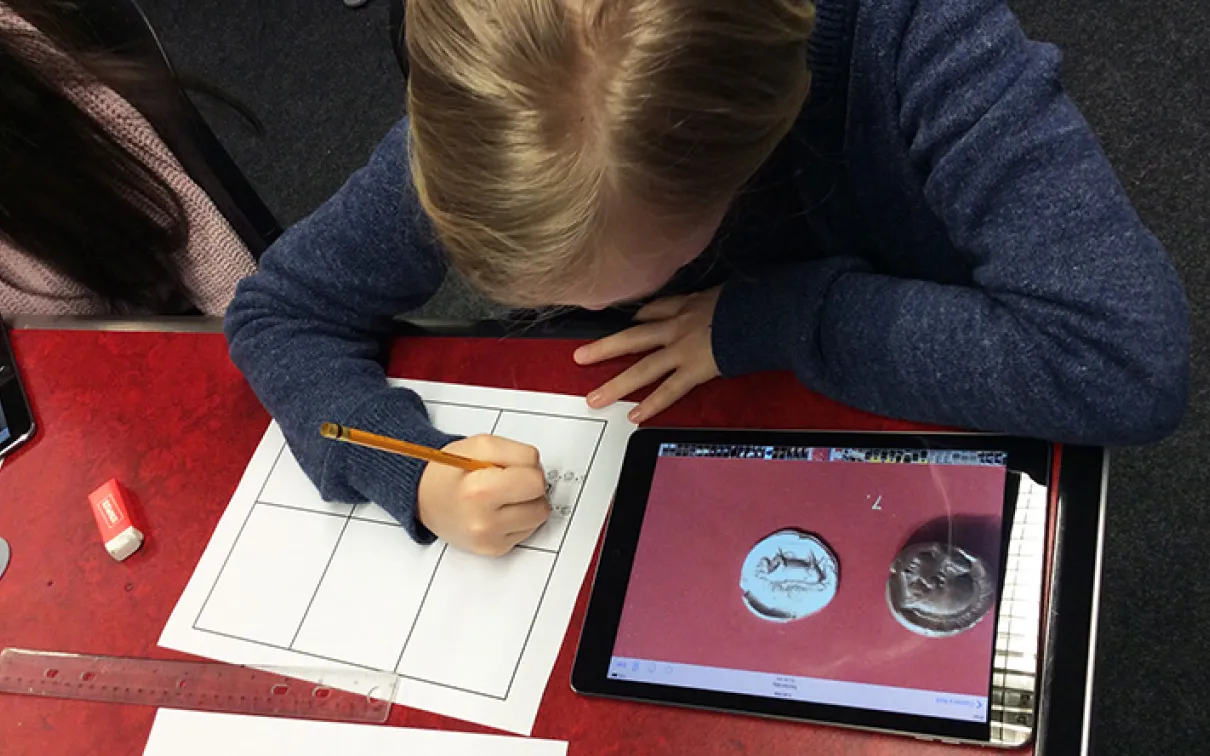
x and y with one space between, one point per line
536 124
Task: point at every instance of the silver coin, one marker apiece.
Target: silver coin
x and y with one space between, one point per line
4 556
789 575
939 590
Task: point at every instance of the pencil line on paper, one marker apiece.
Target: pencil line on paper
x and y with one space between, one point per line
592 460
534 413
419 609
243 525
527 547
554 564
308 510
319 583
345 662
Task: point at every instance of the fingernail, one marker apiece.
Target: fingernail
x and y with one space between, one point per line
578 355
635 415
594 397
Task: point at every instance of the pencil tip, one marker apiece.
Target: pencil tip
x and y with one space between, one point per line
329 430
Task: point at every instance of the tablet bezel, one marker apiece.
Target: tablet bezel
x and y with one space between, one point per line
13 403
599 633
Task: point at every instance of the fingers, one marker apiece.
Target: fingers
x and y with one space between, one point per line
507 527
644 372
497 450
511 541
526 516
485 511
661 309
687 363
676 386
496 488
642 338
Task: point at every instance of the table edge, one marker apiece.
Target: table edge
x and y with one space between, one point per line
553 328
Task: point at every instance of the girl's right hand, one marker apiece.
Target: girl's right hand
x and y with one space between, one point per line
489 511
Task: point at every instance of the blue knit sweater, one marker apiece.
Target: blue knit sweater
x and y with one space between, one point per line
940 239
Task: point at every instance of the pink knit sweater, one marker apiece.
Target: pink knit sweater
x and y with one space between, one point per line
212 262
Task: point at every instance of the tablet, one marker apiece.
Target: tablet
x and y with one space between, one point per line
887 581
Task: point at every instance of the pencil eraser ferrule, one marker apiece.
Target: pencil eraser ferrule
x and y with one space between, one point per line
112 514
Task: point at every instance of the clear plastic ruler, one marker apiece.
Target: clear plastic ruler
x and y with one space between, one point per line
339 695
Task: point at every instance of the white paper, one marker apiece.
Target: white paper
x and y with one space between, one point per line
197 733
291 580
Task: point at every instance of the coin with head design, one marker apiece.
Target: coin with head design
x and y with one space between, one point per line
938 590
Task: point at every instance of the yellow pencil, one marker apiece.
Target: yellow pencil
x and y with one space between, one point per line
404 448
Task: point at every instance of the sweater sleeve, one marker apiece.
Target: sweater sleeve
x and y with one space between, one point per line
1076 327
307 331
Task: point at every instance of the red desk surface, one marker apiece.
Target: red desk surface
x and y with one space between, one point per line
171 417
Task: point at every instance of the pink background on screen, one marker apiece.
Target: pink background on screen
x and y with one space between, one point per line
703 515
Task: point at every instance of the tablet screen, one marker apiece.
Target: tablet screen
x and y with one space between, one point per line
864 578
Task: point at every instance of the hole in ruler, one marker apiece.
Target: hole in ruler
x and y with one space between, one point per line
322 693
88 676
279 689
52 673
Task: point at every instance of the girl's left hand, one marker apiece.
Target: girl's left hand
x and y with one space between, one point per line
678 328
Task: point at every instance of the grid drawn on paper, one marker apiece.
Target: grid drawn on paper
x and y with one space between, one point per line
353 515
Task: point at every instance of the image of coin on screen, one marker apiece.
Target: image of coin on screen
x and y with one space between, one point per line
865 576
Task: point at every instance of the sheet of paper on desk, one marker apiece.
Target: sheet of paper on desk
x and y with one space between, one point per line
291 580
196 733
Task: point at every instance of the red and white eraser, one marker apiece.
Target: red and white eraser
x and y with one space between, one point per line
113 519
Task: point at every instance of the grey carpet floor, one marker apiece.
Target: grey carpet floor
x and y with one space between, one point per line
324 81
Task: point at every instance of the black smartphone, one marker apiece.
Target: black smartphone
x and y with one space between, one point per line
16 420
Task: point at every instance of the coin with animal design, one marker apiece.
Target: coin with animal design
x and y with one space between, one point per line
789 575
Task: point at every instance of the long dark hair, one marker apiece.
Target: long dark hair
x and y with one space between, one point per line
71 195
